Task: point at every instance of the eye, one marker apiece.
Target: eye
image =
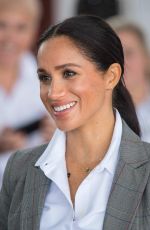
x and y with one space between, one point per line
44 78
69 73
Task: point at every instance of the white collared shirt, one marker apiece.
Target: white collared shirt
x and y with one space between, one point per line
92 195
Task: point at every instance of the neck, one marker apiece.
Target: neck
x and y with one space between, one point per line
90 143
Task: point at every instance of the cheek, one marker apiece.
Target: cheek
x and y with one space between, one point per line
44 98
90 93
43 94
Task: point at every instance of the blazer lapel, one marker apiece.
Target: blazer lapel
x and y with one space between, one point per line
129 183
35 190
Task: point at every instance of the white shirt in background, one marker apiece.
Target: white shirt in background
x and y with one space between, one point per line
22 105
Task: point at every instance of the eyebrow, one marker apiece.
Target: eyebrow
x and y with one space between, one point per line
60 67
67 65
40 70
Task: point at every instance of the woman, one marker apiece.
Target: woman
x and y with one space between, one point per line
19 22
137 74
20 125
94 172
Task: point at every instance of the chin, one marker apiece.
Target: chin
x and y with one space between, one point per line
66 127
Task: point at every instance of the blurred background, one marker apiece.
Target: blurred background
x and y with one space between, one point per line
137 11
24 121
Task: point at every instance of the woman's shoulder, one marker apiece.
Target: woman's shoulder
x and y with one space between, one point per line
19 162
23 158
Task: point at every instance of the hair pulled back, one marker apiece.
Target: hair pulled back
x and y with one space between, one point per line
97 40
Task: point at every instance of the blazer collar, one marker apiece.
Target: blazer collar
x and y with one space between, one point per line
132 149
129 182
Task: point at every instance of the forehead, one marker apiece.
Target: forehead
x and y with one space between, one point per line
58 41
14 13
130 41
59 49
62 51
129 36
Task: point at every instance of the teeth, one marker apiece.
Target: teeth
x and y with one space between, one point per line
63 107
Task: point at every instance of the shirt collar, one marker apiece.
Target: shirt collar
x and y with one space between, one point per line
55 150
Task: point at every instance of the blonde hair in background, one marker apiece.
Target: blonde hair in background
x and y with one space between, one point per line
32 7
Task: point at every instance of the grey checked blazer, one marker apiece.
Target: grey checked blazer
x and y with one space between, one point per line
25 187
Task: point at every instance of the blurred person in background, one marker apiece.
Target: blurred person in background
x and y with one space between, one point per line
137 12
23 118
137 72
94 174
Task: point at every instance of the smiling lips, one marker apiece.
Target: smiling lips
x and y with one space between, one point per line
64 107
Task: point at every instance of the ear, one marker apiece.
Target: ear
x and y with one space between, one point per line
113 75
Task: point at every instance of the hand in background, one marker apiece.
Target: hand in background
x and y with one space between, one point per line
11 140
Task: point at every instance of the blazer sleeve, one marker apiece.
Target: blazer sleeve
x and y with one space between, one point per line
5 195
13 185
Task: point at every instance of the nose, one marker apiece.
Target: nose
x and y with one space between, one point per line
56 90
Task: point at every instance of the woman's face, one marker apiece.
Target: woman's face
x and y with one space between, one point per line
135 59
71 87
16 35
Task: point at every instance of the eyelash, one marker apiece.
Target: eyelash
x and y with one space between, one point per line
45 79
69 73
